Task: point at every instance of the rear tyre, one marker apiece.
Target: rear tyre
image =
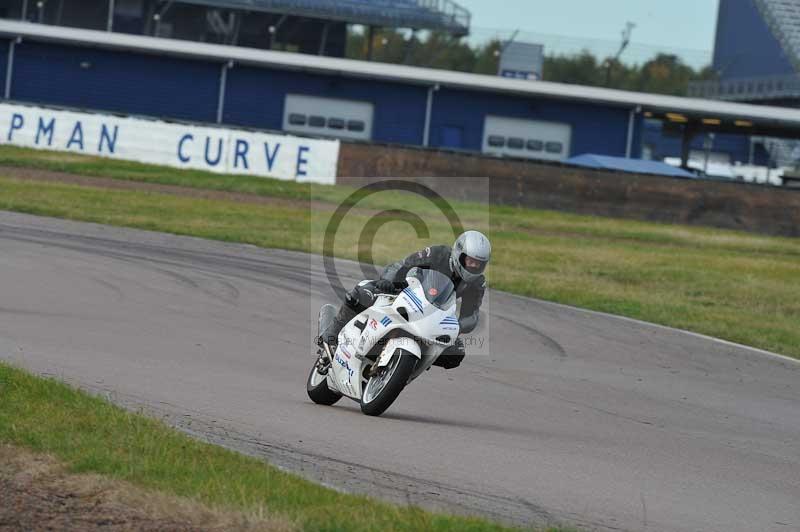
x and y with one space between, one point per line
382 389
317 388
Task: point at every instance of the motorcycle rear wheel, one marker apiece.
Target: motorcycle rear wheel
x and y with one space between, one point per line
382 389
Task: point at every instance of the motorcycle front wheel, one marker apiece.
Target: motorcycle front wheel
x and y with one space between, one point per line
383 388
317 388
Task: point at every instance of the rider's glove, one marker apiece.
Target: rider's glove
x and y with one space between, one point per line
385 286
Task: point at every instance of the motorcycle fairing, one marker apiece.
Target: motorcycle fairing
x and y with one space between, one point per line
358 338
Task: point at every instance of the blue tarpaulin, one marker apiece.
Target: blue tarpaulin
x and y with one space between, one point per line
637 166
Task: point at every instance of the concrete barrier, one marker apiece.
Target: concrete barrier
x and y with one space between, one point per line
185 146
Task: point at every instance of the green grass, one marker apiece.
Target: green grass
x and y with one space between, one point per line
93 436
130 171
737 286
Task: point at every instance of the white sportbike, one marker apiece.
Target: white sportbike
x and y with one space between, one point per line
388 345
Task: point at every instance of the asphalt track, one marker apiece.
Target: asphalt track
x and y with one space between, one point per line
575 417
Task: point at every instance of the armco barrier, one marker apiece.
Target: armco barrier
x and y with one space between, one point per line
756 208
213 149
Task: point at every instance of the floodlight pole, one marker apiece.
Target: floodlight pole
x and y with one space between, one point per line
223 87
110 22
689 131
708 144
626 40
10 67
273 31
631 130
409 46
509 42
161 10
426 134
323 43
370 36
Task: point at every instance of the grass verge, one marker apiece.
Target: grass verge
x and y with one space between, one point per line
40 494
733 285
91 435
13 156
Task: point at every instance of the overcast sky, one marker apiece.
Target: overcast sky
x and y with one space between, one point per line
679 25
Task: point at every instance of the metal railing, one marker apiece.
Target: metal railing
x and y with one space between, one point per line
444 15
782 152
747 89
457 15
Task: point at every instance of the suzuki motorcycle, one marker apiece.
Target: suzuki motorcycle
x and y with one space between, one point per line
388 345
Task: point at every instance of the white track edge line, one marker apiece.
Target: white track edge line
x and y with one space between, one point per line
657 326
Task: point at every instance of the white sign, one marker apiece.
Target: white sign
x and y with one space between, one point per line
225 151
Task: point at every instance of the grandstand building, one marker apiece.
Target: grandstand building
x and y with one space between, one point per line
757 61
756 53
201 78
307 26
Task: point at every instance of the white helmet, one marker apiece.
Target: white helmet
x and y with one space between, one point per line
473 245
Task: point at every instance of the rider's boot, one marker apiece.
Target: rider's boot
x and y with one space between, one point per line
356 301
330 335
452 356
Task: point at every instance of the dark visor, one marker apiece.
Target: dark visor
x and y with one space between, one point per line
476 270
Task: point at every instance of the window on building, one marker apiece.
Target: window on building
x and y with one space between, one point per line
356 125
516 143
554 147
296 119
535 145
336 123
317 121
496 141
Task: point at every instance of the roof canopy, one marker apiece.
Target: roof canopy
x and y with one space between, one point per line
443 15
708 115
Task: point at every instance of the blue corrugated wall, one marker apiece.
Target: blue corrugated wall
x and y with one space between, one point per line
737 146
3 65
595 128
255 98
115 81
160 86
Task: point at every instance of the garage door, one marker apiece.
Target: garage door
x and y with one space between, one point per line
530 139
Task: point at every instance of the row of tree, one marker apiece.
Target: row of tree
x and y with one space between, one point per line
664 74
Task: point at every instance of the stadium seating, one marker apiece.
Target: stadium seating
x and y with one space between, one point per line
783 18
443 15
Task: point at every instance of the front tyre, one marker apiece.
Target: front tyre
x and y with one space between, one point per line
383 388
317 388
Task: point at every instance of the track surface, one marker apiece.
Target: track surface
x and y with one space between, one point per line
575 417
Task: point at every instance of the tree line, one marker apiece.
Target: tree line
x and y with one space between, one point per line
663 74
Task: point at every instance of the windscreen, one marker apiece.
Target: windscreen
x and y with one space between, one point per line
438 288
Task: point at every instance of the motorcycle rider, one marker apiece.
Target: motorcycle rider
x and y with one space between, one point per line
464 263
